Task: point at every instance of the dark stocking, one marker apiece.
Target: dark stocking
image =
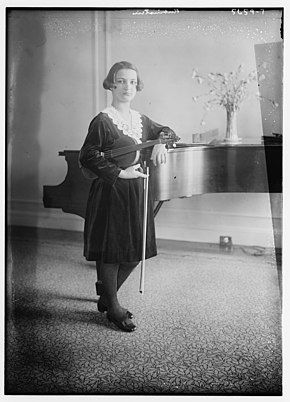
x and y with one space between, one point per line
125 270
109 278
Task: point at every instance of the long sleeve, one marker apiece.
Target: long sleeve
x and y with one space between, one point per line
98 139
152 130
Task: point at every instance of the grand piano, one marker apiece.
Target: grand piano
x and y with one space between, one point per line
191 169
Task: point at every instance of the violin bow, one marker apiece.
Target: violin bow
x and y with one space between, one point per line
146 189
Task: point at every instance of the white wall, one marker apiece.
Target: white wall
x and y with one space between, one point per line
57 61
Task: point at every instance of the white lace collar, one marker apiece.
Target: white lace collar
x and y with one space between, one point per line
121 123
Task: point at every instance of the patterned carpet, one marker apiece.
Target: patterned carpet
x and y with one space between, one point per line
209 323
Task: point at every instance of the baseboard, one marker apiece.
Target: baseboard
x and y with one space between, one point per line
33 214
175 247
240 236
208 226
171 224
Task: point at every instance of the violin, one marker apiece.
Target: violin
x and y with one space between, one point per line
126 151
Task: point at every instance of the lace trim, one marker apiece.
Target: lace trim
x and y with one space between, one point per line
121 123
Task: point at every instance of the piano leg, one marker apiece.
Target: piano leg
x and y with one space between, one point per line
157 208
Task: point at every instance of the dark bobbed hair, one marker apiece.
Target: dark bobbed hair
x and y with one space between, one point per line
109 81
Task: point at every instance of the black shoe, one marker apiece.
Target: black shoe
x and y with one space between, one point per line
103 308
122 324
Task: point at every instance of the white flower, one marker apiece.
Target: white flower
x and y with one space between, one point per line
262 77
194 73
194 98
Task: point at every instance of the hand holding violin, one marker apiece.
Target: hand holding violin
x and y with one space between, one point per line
158 155
132 172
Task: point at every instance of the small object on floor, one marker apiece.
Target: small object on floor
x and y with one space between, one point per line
226 243
122 324
103 308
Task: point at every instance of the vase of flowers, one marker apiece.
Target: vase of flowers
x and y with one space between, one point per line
231 130
227 90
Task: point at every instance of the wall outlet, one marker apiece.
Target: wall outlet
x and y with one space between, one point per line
226 243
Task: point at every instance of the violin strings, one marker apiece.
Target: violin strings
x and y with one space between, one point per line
128 149
124 150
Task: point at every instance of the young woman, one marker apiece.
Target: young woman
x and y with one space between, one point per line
114 216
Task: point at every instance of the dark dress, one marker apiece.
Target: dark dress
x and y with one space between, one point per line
114 215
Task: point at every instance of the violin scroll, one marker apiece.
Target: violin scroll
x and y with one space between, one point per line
168 137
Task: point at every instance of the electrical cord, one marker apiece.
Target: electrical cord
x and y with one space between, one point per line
256 251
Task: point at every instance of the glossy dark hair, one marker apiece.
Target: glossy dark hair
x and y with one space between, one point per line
109 81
